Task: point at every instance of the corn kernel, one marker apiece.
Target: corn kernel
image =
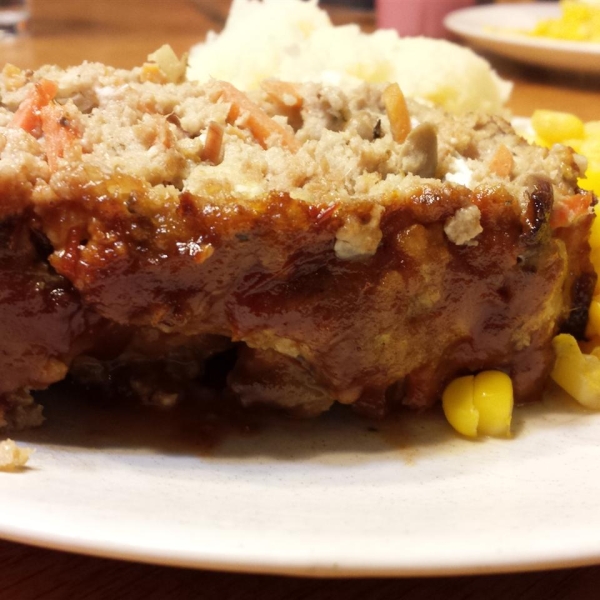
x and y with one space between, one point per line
591 182
540 141
593 325
457 402
577 373
592 129
579 21
554 126
594 238
595 260
480 404
590 148
493 399
574 143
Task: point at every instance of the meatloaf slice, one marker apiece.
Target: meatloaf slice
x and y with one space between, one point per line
347 247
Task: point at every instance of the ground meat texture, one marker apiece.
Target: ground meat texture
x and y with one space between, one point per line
316 254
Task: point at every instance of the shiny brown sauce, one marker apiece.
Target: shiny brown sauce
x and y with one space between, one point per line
152 296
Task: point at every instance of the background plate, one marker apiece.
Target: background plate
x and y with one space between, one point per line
335 496
487 27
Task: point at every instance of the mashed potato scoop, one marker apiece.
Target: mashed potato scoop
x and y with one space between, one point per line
295 40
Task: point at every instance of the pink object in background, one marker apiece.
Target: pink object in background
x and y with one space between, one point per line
417 17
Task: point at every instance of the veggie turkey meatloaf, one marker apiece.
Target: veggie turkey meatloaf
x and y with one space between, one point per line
347 247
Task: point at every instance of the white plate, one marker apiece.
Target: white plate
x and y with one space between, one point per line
327 497
489 27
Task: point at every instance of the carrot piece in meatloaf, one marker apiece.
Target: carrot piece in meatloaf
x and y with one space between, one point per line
146 227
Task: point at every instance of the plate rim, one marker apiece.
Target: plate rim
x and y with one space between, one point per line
468 23
231 562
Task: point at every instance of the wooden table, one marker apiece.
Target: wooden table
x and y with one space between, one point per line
122 33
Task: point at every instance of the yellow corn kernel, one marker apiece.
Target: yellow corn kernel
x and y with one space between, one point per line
590 148
577 373
554 126
457 402
480 404
574 143
592 129
579 21
493 399
595 260
596 264
594 238
593 324
540 141
591 182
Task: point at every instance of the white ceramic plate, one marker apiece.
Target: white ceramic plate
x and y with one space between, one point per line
326 497
489 27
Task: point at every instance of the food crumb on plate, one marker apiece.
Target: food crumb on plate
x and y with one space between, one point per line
13 457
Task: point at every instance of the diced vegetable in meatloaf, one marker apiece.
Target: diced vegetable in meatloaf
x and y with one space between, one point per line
357 248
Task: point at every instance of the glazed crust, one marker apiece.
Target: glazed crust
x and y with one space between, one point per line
374 301
393 327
